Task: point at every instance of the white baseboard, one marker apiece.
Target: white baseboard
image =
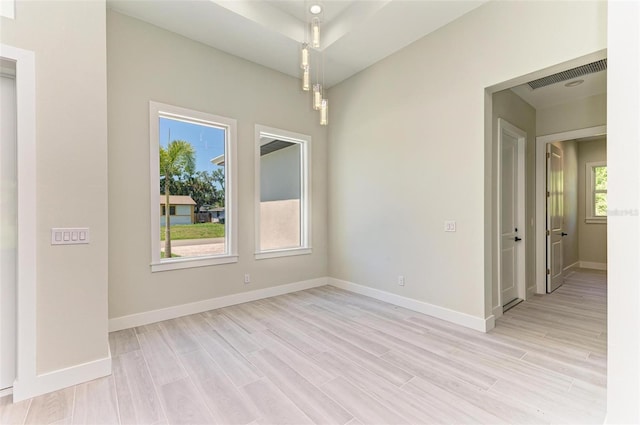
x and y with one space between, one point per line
140 319
497 312
592 265
463 319
6 392
571 266
58 379
531 290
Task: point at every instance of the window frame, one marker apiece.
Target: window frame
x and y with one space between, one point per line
590 196
304 141
160 110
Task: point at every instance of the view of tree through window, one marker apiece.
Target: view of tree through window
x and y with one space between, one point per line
600 190
192 183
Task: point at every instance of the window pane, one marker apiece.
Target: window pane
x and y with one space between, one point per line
601 204
192 180
600 174
280 194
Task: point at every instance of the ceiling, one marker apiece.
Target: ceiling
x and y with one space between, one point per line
558 93
354 34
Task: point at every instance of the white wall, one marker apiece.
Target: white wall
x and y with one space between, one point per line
623 163
147 63
408 133
593 236
507 105
68 39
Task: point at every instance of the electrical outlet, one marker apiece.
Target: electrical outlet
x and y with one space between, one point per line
449 226
401 280
247 278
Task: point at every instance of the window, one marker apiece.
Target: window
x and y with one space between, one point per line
172 211
282 193
596 208
192 171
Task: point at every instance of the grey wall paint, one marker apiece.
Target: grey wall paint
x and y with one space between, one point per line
69 41
408 150
147 63
593 236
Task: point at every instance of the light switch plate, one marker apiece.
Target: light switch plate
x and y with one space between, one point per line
69 236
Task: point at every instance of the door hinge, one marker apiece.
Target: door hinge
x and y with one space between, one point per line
548 155
548 271
548 194
548 233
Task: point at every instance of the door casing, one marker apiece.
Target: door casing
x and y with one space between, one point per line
26 372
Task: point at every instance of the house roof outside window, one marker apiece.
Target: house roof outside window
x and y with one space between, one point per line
177 200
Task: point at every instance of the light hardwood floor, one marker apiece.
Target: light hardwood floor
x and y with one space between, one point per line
329 356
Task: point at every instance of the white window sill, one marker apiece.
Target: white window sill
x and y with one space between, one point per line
187 263
596 220
282 253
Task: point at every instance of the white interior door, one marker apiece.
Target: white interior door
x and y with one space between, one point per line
512 194
8 230
555 217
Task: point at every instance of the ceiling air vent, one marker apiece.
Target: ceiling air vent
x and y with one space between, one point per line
569 74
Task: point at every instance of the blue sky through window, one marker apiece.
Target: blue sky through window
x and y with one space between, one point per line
208 142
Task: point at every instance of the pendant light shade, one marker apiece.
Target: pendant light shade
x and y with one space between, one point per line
315 32
324 112
317 96
305 79
304 56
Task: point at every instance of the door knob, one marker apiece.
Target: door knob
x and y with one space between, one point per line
517 239
564 234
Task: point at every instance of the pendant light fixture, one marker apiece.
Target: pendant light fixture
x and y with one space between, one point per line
317 96
304 56
305 78
309 49
315 32
324 112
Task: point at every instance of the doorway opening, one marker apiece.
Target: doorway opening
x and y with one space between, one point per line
542 108
583 239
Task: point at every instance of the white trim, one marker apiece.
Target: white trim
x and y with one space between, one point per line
590 184
147 317
26 175
592 265
262 255
6 392
190 262
531 290
305 190
8 9
571 266
521 135
62 378
456 317
497 311
156 110
541 146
